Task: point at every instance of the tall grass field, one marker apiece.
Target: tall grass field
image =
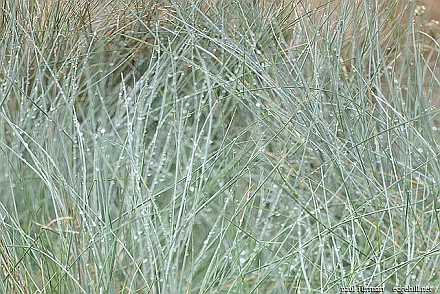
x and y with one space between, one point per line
219 146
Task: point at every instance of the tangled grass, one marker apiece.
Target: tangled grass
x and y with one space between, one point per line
216 147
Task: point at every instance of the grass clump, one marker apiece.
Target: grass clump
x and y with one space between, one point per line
216 147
